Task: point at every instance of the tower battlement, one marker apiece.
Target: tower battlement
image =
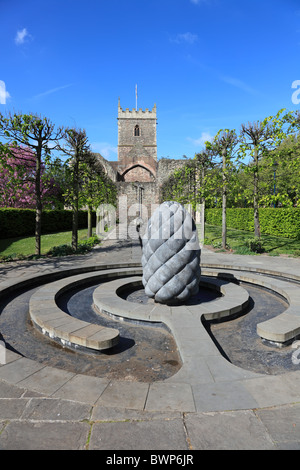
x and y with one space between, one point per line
136 114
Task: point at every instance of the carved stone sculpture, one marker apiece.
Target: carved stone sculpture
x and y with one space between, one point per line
171 255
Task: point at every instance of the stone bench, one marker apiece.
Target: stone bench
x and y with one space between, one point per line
285 327
58 325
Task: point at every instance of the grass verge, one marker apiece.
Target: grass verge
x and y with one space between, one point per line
238 242
21 248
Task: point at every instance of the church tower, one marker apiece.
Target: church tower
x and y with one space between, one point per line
138 175
136 169
137 147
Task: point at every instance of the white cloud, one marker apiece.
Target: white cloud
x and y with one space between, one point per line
105 149
205 137
188 38
239 84
52 90
22 36
3 93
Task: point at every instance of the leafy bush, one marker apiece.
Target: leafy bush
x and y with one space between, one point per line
243 250
21 222
66 250
283 221
255 245
16 222
92 241
61 250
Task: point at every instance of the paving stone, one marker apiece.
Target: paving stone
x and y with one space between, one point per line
194 371
10 356
47 409
222 396
288 445
125 395
28 435
170 397
102 413
234 430
139 435
283 423
82 388
18 370
272 391
10 391
47 380
12 408
222 370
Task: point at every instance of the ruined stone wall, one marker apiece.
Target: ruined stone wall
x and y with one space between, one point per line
129 199
166 166
108 168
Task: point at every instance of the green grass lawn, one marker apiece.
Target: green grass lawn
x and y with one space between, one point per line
236 241
274 246
26 246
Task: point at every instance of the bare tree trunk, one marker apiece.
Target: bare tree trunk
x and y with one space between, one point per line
224 205
38 213
75 227
75 205
255 197
90 228
202 209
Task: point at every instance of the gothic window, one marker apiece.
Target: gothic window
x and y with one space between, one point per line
137 131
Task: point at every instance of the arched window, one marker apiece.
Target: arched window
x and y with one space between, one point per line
137 131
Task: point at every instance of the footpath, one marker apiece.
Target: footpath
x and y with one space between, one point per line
38 418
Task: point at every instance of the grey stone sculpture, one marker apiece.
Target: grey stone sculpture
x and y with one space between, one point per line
171 255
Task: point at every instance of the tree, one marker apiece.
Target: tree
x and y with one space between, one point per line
36 133
223 145
285 175
204 162
76 148
17 180
96 187
86 183
258 139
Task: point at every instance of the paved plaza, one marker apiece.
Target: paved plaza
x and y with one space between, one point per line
208 404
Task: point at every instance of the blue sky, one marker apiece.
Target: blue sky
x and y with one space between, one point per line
207 64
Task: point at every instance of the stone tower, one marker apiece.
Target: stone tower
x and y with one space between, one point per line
138 175
137 147
137 159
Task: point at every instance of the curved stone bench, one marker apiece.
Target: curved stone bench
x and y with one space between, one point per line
73 332
107 299
281 329
285 327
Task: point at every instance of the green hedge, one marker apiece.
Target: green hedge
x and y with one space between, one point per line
283 221
21 222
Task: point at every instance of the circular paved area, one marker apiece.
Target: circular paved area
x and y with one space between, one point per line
207 383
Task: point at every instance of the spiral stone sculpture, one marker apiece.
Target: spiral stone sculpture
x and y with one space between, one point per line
170 255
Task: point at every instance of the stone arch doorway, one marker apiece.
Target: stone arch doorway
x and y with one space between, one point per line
137 172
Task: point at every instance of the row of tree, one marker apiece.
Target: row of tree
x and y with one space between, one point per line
238 168
31 177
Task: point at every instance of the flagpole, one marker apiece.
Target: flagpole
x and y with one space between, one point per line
136 97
